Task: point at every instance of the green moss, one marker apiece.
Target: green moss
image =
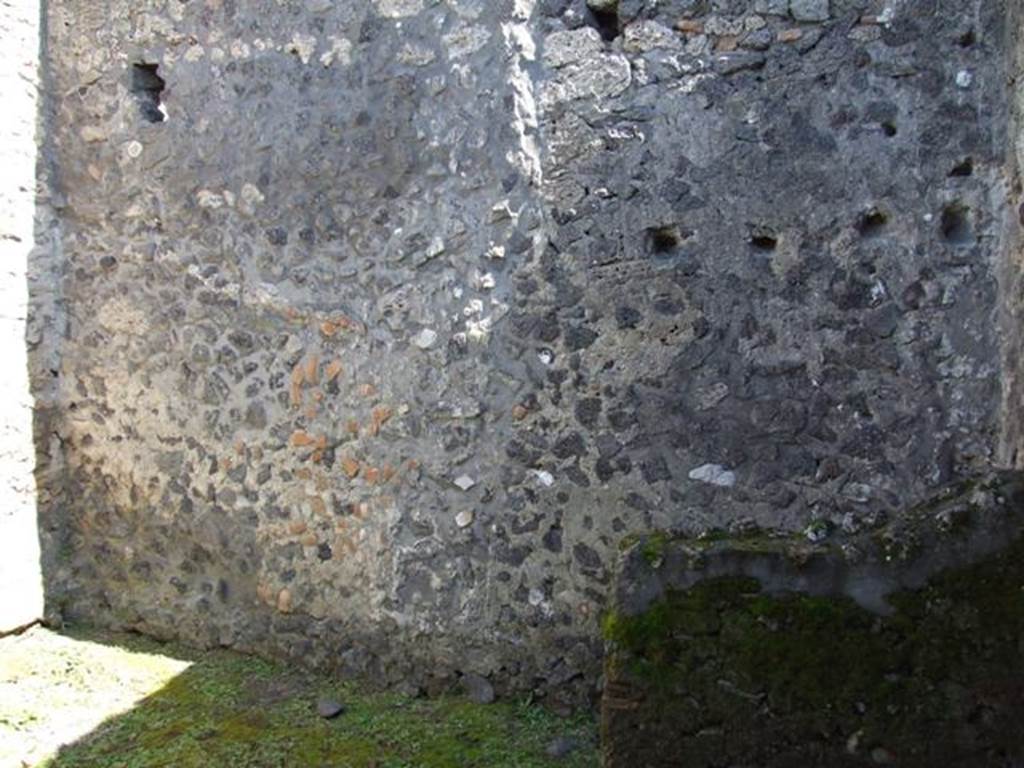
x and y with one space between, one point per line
629 540
824 665
653 547
234 710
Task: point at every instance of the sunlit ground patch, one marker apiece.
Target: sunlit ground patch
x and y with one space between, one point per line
55 689
115 701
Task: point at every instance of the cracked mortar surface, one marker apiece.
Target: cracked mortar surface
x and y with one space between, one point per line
372 352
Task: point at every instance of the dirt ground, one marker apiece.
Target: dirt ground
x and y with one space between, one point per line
101 700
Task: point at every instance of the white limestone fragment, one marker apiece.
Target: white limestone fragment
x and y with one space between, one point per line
209 199
425 339
436 247
302 46
464 482
502 211
340 51
714 474
604 77
571 46
643 36
465 518
479 330
817 531
397 9
483 281
240 49
251 195
543 477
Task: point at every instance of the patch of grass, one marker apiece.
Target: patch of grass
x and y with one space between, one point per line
228 709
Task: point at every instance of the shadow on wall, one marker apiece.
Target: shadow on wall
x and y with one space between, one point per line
20 287
46 328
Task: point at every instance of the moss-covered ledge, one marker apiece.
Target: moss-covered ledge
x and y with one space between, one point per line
902 646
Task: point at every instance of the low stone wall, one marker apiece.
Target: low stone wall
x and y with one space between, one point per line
900 646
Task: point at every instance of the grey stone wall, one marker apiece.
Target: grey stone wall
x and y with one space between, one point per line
1010 278
388 321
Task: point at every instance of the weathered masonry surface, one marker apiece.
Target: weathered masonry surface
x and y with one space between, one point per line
378 326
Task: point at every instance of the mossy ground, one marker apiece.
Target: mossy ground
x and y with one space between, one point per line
182 708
